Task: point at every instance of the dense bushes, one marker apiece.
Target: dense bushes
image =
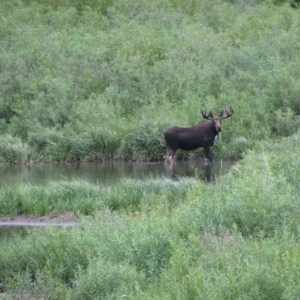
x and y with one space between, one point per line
85 80
113 67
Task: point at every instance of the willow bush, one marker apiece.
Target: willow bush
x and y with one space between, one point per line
13 150
122 65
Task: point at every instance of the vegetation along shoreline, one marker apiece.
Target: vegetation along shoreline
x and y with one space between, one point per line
102 81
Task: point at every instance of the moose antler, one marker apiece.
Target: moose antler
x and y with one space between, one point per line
228 111
206 115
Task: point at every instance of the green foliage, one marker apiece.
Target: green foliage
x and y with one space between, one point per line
96 145
285 123
85 198
13 150
94 74
100 7
104 281
88 80
164 239
145 143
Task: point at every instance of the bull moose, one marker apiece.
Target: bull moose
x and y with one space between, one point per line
201 135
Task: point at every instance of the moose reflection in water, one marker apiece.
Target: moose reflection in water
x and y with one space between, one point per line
201 135
206 171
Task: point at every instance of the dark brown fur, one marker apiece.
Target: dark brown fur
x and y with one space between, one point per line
201 135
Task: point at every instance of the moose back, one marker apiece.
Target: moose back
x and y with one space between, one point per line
201 135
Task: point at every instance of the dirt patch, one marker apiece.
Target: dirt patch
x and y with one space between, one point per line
61 219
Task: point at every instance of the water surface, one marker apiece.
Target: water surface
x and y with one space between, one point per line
104 173
111 173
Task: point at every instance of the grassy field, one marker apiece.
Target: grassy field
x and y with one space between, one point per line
82 80
235 239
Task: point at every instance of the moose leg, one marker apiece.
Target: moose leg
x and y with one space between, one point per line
169 164
170 154
206 153
167 154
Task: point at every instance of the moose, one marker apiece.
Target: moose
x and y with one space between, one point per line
201 135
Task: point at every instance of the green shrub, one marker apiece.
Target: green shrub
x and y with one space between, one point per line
165 239
105 281
285 123
13 150
145 143
107 71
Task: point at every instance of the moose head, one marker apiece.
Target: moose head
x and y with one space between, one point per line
217 120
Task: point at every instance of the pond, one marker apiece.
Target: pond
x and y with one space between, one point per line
105 174
112 172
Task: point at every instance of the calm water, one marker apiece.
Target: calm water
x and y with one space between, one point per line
107 174
110 173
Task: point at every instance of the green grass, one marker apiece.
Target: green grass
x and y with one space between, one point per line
86 198
13 150
102 81
164 239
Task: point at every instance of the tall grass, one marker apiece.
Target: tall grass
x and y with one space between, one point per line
89 80
13 150
88 198
164 239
